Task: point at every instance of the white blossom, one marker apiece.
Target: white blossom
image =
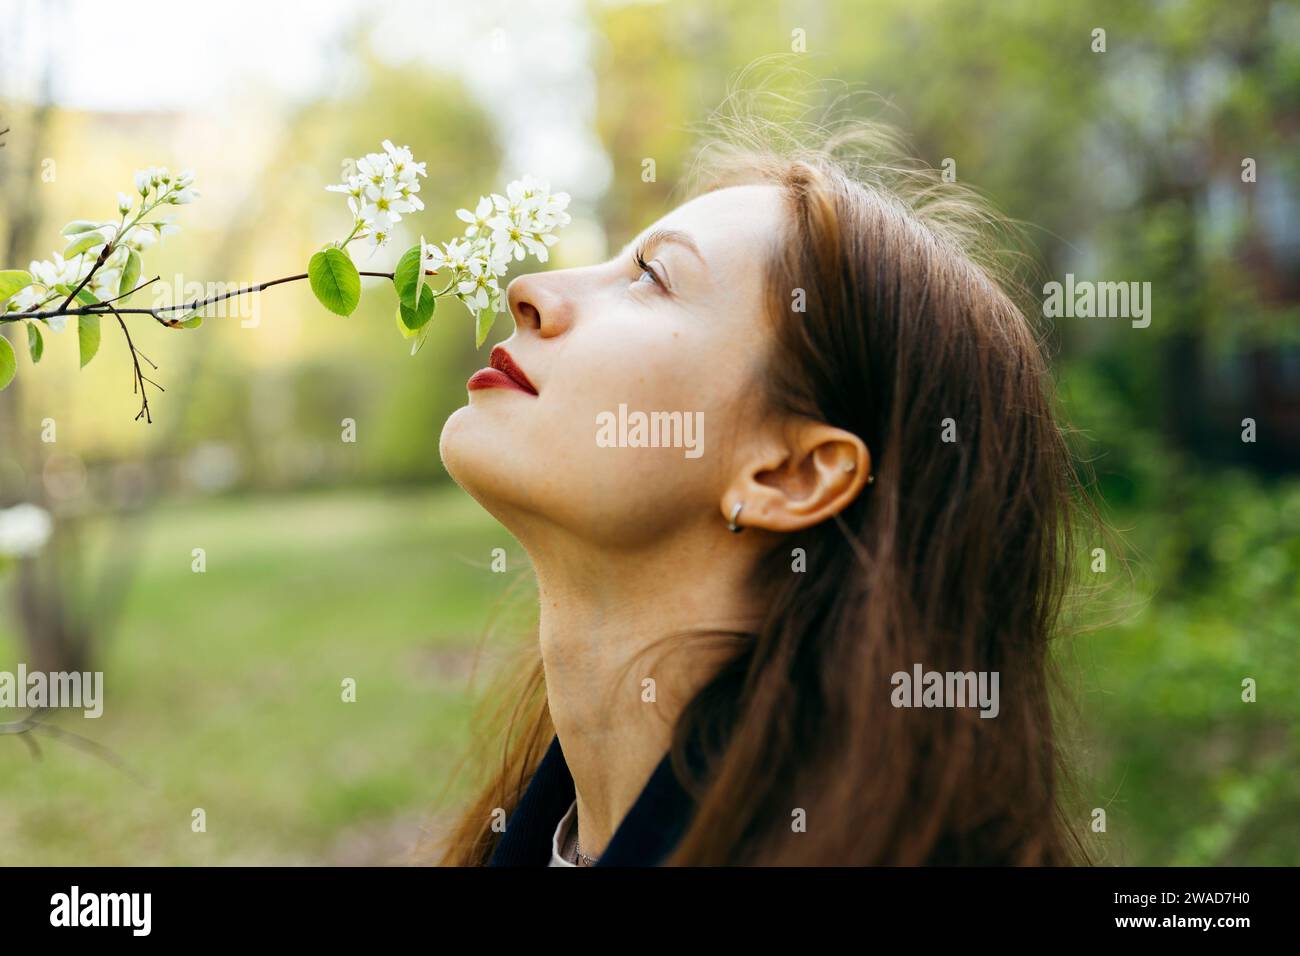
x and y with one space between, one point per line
527 216
404 166
383 188
156 186
476 281
478 219
449 257
24 529
47 275
56 271
169 189
383 205
378 235
353 186
499 228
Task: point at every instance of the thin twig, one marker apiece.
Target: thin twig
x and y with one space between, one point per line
103 257
33 724
132 292
140 378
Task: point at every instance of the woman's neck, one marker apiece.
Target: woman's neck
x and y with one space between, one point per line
613 699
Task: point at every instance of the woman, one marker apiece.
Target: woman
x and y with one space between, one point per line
865 483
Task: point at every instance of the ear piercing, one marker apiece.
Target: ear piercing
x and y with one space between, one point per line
735 513
852 465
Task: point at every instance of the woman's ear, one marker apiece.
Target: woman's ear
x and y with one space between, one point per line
813 473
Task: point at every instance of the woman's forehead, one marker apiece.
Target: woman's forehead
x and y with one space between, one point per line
757 204
725 216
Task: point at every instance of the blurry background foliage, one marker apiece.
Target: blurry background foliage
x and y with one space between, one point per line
328 560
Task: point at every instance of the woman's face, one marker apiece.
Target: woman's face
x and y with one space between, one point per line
606 347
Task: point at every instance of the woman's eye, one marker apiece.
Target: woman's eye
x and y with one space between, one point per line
648 274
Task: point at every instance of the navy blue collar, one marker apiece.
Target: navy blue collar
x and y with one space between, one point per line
646 836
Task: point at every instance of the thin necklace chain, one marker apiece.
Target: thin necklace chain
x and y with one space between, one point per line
580 858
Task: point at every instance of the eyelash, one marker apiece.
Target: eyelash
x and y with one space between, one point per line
647 270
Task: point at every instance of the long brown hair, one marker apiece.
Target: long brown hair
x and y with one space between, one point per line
957 557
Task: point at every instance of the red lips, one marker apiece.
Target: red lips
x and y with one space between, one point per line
502 373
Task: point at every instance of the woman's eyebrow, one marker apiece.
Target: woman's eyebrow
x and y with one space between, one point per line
657 237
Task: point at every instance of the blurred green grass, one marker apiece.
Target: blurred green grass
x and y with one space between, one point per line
223 689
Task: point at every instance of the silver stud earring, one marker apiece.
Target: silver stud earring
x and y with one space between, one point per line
871 479
735 513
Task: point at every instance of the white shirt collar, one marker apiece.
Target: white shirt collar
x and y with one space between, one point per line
561 837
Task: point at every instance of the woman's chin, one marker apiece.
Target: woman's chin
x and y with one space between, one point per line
473 456
462 450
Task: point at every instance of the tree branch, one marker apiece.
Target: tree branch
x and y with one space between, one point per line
103 308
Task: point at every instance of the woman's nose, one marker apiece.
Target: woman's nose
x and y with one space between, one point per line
537 302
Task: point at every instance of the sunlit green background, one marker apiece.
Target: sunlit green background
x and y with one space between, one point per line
328 560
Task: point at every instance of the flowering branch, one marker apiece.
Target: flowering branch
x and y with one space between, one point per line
101 264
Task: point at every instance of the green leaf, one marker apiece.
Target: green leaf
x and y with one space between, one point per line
82 242
412 320
13 281
8 363
78 226
335 281
407 277
35 343
401 322
482 326
130 274
85 296
88 337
